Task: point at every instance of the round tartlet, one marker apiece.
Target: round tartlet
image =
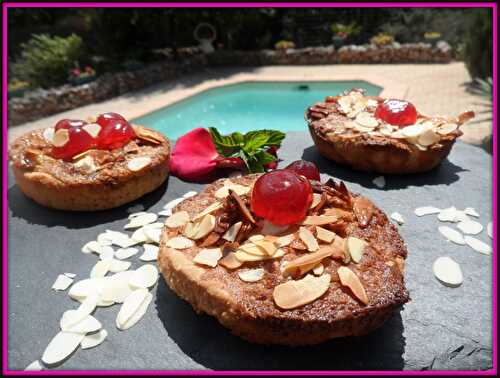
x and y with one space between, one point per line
93 180
214 275
345 130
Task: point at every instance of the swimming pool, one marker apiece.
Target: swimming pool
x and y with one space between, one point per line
247 106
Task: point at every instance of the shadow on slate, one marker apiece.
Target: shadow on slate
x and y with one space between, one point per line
203 339
27 209
445 173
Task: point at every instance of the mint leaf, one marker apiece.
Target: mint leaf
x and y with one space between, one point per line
259 160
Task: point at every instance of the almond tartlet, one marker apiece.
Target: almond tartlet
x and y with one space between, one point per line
336 272
381 135
87 166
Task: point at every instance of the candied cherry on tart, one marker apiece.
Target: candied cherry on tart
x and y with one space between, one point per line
115 133
282 197
78 141
305 168
397 112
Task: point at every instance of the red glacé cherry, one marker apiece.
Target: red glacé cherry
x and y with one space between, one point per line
68 123
115 133
79 141
397 112
305 168
281 196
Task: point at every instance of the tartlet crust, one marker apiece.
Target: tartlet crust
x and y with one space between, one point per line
58 184
248 310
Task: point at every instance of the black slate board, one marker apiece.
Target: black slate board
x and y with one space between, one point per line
441 328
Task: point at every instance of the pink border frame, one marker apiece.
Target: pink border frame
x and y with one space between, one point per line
7 5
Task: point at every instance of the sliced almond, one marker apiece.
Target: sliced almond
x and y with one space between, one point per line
309 240
141 220
138 314
267 246
34 366
130 306
447 128
62 282
144 277
210 209
256 237
107 253
61 346
116 287
307 262
452 235
428 138
138 163
285 240
355 247
86 325
85 309
471 211
170 205
223 192
251 275
179 242
489 229
447 271
448 215
230 261
152 234
93 129
92 246
100 269
397 217
413 131
426 210
140 236
470 227
150 253
189 194
117 266
95 339
177 219
366 119
209 257
86 288
48 134
61 137
207 225
191 229
244 256
325 235
293 294
319 220
318 269
280 252
232 232
316 200
351 280
253 249
147 135
477 245
87 163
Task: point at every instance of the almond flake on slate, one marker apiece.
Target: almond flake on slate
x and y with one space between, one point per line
324 234
86 325
447 271
138 314
230 261
62 283
153 234
107 254
150 253
93 340
92 128
398 218
206 226
210 209
92 246
100 269
471 211
379 182
125 253
140 236
85 309
470 227
293 294
170 205
61 137
85 288
189 194
366 119
34 366
104 239
351 280
448 215
251 275
309 240
141 220
61 346
426 210
355 247
131 304
116 287
138 163
48 134
70 275
477 245
139 213
446 128
117 266
223 192
144 277
177 219
120 239
284 240
318 270
452 235
315 201
209 257
232 232
307 262
461 216
489 229
319 220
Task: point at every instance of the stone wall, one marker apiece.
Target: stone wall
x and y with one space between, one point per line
41 103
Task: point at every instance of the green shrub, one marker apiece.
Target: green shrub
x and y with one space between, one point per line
45 61
284 45
382 39
16 84
479 44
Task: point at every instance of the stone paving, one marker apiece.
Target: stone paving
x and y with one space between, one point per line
433 88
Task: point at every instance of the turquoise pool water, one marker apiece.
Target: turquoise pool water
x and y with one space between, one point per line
247 106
